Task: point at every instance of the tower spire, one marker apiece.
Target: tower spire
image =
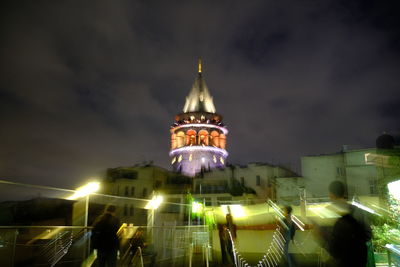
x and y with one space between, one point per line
199 65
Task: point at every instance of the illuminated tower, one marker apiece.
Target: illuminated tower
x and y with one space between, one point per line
198 137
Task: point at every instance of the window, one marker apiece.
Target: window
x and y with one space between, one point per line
133 191
373 190
224 200
130 175
242 181
339 171
126 190
131 211
125 210
157 184
144 193
180 139
258 180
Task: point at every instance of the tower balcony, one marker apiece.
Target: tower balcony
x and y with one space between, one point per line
190 160
221 128
193 149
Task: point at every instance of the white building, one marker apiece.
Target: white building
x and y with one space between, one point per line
261 179
366 172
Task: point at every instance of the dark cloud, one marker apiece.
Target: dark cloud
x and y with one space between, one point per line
96 84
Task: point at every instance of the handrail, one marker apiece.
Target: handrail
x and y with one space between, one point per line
141 256
91 227
190 254
43 227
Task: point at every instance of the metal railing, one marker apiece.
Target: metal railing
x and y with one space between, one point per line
70 246
43 245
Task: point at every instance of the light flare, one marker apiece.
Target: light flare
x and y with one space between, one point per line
237 211
85 190
154 203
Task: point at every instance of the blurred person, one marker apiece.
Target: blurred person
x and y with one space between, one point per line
288 231
104 237
347 240
138 240
226 239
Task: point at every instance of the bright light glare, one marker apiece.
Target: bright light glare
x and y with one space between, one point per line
298 222
393 247
361 206
276 208
197 207
394 189
366 156
85 190
237 211
154 203
321 211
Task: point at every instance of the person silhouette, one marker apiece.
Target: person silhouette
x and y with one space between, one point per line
347 242
104 237
226 239
288 230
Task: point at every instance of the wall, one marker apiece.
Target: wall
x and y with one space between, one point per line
287 190
320 171
247 176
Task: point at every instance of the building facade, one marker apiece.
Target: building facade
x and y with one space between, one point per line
365 172
263 180
134 186
198 136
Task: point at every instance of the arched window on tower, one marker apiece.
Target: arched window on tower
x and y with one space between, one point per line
203 137
173 141
222 141
215 138
191 137
180 139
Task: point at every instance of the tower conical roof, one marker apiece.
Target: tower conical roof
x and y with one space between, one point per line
199 98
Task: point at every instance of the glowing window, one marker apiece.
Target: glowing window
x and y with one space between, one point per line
203 137
173 141
191 137
215 138
180 139
222 141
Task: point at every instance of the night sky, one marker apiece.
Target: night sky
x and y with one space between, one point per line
88 85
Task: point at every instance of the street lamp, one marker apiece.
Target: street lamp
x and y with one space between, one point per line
85 191
152 205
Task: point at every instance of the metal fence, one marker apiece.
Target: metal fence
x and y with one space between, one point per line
70 246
